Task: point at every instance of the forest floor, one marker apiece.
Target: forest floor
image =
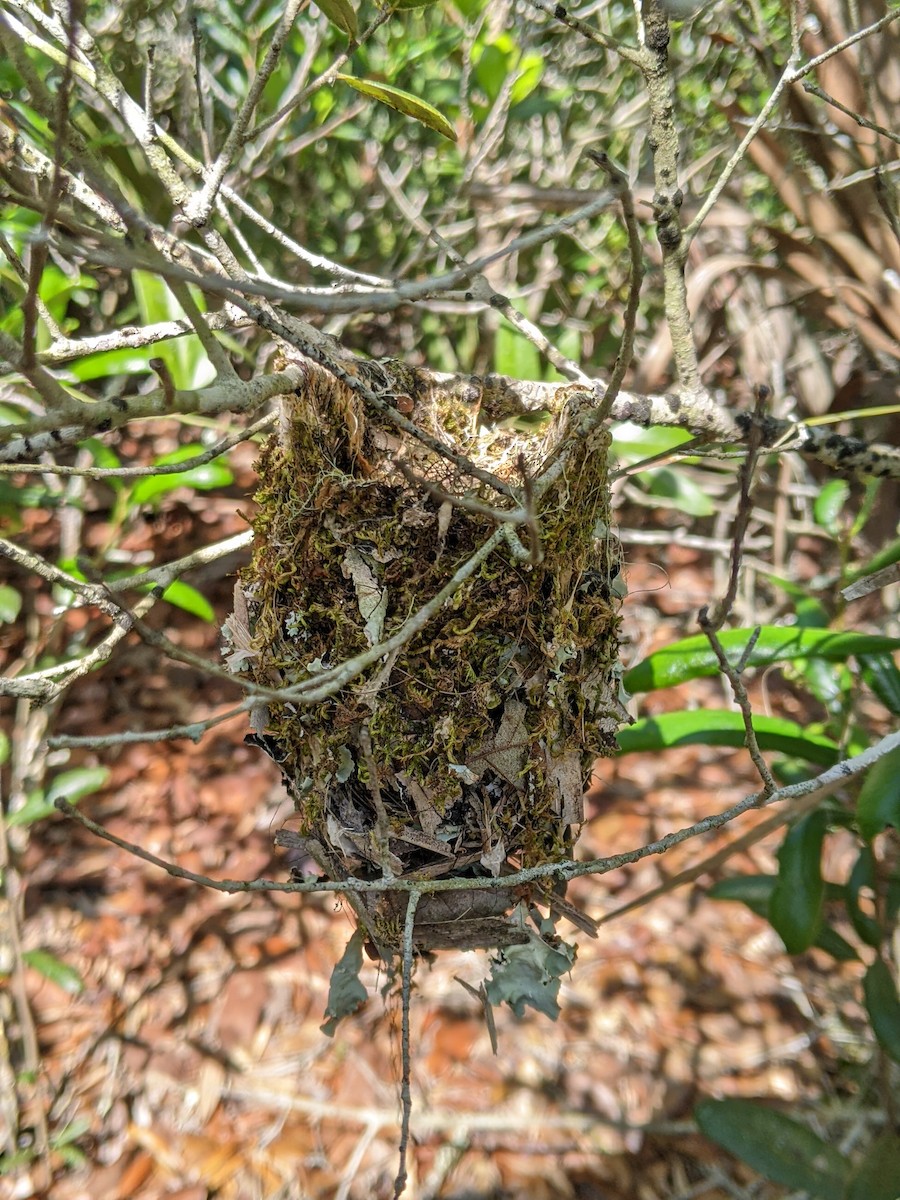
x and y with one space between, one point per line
192 1064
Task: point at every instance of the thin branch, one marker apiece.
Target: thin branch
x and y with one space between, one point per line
790 75
559 13
821 785
187 464
200 205
405 1055
814 90
619 183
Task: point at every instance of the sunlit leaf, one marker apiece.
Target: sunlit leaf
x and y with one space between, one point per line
831 504
55 970
403 102
10 604
693 656
515 355
213 474
678 490
722 727
183 596
340 13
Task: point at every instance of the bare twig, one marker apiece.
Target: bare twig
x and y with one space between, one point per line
821 785
405 1055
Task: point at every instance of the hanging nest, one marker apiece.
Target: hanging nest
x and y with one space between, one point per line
465 751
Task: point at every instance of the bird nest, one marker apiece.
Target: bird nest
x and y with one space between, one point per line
456 746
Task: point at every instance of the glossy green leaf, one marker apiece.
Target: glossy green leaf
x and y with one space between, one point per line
693 657
514 355
109 363
756 891
10 604
878 803
631 443
876 1177
345 993
863 877
722 727
69 785
183 596
830 505
341 14
214 474
880 672
403 102
886 557
55 970
35 808
75 784
776 1146
184 356
883 1006
529 74
678 491
795 907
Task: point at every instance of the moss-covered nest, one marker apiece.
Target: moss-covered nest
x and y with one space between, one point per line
464 751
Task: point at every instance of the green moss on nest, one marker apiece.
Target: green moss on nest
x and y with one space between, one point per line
480 730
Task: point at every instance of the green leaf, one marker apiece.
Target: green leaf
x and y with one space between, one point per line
883 1007
756 892
184 356
182 595
341 14
10 604
70 785
878 803
514 355
35 808
528 76
345 994
214 474
863 876
753 890
631 443
876 1176
829 940
4 747
678 491
403 102
830 505
779 1148
722 727
75 784
56 971
795 907
692 657
880 673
